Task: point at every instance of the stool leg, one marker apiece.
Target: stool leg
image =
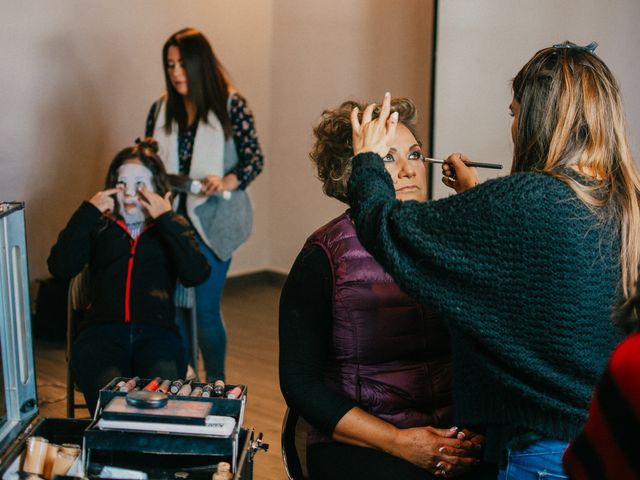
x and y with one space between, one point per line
70 394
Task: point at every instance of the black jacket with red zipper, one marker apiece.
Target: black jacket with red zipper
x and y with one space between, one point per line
130 280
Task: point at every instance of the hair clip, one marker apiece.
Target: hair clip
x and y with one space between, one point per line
591 48
147 142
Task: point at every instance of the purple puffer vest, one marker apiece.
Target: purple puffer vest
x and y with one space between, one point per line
390 354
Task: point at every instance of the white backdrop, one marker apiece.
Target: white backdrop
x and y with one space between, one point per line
481 45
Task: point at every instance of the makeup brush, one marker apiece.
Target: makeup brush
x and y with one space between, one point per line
495 166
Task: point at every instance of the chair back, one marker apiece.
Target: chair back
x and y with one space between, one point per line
294 443
78 298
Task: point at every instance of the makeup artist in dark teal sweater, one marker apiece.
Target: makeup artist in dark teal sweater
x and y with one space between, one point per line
524 270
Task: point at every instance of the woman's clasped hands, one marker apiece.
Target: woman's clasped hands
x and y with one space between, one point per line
444 452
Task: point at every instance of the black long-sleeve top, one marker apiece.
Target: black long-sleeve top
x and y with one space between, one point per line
130 280
305 341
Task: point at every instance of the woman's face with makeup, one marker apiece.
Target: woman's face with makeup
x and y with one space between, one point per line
132 175
406 167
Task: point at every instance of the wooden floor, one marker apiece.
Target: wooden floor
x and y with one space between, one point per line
250 312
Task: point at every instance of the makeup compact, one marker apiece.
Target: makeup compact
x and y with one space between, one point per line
173 431
146 399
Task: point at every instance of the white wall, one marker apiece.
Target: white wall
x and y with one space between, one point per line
324 53
482 45
80 75
78 80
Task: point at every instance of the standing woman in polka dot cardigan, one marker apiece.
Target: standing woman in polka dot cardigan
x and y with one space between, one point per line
208 140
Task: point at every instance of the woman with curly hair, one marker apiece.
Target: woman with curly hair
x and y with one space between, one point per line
367 366
135 247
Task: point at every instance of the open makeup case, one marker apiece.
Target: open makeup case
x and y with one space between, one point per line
103 448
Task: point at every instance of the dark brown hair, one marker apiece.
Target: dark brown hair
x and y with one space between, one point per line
147 152
206 81
332 151
571 117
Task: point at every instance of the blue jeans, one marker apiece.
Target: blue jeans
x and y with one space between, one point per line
212 337
102 352
540 460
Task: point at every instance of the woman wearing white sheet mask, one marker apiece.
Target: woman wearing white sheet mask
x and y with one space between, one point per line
136 248
136 195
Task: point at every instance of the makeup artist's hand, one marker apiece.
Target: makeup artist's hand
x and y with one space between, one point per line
374 135
437 450
103 200
153 203
457 175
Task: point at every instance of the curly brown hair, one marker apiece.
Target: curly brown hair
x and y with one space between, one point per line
332 151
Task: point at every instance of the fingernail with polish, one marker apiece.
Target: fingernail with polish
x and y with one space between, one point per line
442 450
439 465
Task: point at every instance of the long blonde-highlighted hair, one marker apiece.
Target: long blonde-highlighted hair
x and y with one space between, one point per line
571 117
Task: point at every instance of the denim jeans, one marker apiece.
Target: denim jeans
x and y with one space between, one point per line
102 352
212 337
540 460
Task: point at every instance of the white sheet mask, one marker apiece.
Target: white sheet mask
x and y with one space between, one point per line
131 177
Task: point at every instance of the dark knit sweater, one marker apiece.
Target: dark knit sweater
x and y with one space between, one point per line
608 446
526 276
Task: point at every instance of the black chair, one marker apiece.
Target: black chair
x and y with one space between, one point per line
294 439
185 297
77 300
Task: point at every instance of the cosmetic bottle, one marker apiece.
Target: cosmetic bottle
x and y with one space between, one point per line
223 472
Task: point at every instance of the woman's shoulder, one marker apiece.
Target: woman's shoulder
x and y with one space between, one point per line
155 107
515 199
236 99
526 188
340 223
528 180
159 100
